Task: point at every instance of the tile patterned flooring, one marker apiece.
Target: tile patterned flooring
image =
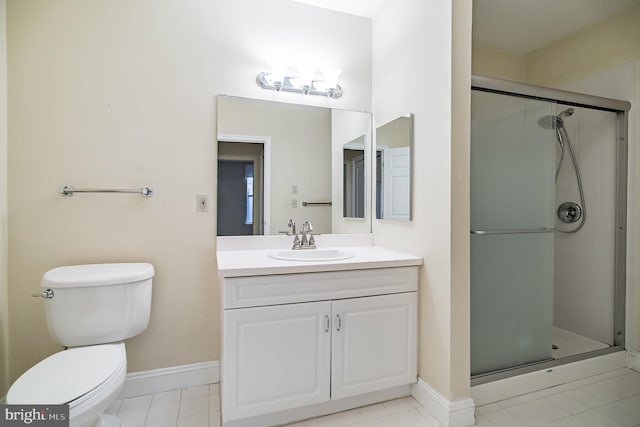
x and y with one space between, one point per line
607 400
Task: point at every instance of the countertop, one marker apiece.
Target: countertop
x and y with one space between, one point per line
256 262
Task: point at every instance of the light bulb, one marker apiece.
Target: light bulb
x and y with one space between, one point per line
306 73
331 77
278 73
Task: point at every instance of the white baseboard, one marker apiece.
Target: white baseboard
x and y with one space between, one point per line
175 377
633 360
527 383
459 413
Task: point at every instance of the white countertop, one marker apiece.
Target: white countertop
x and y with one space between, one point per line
256 262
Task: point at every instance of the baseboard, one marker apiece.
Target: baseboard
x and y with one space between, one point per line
459 413
175 377
533 381
633 360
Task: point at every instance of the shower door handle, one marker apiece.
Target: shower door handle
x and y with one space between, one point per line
517 231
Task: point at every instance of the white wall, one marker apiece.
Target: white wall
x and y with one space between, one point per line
421 64
122 94
4 285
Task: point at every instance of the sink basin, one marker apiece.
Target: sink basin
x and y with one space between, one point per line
310 255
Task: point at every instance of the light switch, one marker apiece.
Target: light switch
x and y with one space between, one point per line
203 203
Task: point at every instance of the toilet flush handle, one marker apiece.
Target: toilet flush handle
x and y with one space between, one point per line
48 294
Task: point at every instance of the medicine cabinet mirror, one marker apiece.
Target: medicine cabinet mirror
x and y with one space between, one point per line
394 142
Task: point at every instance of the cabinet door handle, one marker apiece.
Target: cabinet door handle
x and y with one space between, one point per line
338 323
326 323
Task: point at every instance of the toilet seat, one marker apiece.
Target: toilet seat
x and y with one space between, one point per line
71 376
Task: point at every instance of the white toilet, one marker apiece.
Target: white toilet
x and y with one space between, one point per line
91 310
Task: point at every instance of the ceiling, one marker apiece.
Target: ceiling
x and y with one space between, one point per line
525 25
515 25
366 8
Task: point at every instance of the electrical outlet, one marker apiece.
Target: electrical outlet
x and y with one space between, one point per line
294 203
203 203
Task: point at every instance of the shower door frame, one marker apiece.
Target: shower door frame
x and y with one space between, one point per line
621 108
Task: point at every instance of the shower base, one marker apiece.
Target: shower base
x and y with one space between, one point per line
570 343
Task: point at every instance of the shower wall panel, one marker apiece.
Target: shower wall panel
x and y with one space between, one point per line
584 261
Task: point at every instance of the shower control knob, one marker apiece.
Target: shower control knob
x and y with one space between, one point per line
569 212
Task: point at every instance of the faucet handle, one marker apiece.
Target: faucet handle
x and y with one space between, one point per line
296 242
292 225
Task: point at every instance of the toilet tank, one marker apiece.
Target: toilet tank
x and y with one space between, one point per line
98 303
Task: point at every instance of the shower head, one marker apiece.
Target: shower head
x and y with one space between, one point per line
550 122
554 122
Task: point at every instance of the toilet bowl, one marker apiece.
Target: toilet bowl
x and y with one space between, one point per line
95 304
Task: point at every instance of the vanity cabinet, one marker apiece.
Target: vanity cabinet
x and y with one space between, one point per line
323 336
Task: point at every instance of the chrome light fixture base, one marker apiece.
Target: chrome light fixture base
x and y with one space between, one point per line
291 84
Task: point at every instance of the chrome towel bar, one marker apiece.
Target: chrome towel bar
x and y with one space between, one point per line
68 191
521 231
316 203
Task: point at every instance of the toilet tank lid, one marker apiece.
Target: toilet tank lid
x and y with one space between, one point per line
96 275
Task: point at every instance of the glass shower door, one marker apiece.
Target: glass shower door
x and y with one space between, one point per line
512 238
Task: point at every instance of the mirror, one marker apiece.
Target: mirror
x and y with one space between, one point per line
353 178
279 162
393 169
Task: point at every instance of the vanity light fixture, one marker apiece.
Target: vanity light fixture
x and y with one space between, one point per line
305 85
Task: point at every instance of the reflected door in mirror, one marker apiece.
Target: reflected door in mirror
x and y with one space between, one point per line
353 184
393 169
240 196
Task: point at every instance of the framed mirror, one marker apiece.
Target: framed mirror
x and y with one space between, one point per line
279 162
394 142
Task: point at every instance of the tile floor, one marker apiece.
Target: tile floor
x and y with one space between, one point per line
607 400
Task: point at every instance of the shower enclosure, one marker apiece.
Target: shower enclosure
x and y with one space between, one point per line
548 227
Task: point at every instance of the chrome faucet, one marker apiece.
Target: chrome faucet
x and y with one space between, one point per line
291 231
306 239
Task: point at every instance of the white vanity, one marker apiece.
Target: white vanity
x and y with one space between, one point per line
307 338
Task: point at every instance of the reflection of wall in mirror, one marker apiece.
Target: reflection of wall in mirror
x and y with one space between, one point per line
353 180
346 128
300 153
393 142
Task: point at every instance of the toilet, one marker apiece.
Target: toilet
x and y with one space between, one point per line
90 310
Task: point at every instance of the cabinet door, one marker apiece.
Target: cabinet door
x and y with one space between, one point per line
374 344
275 358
